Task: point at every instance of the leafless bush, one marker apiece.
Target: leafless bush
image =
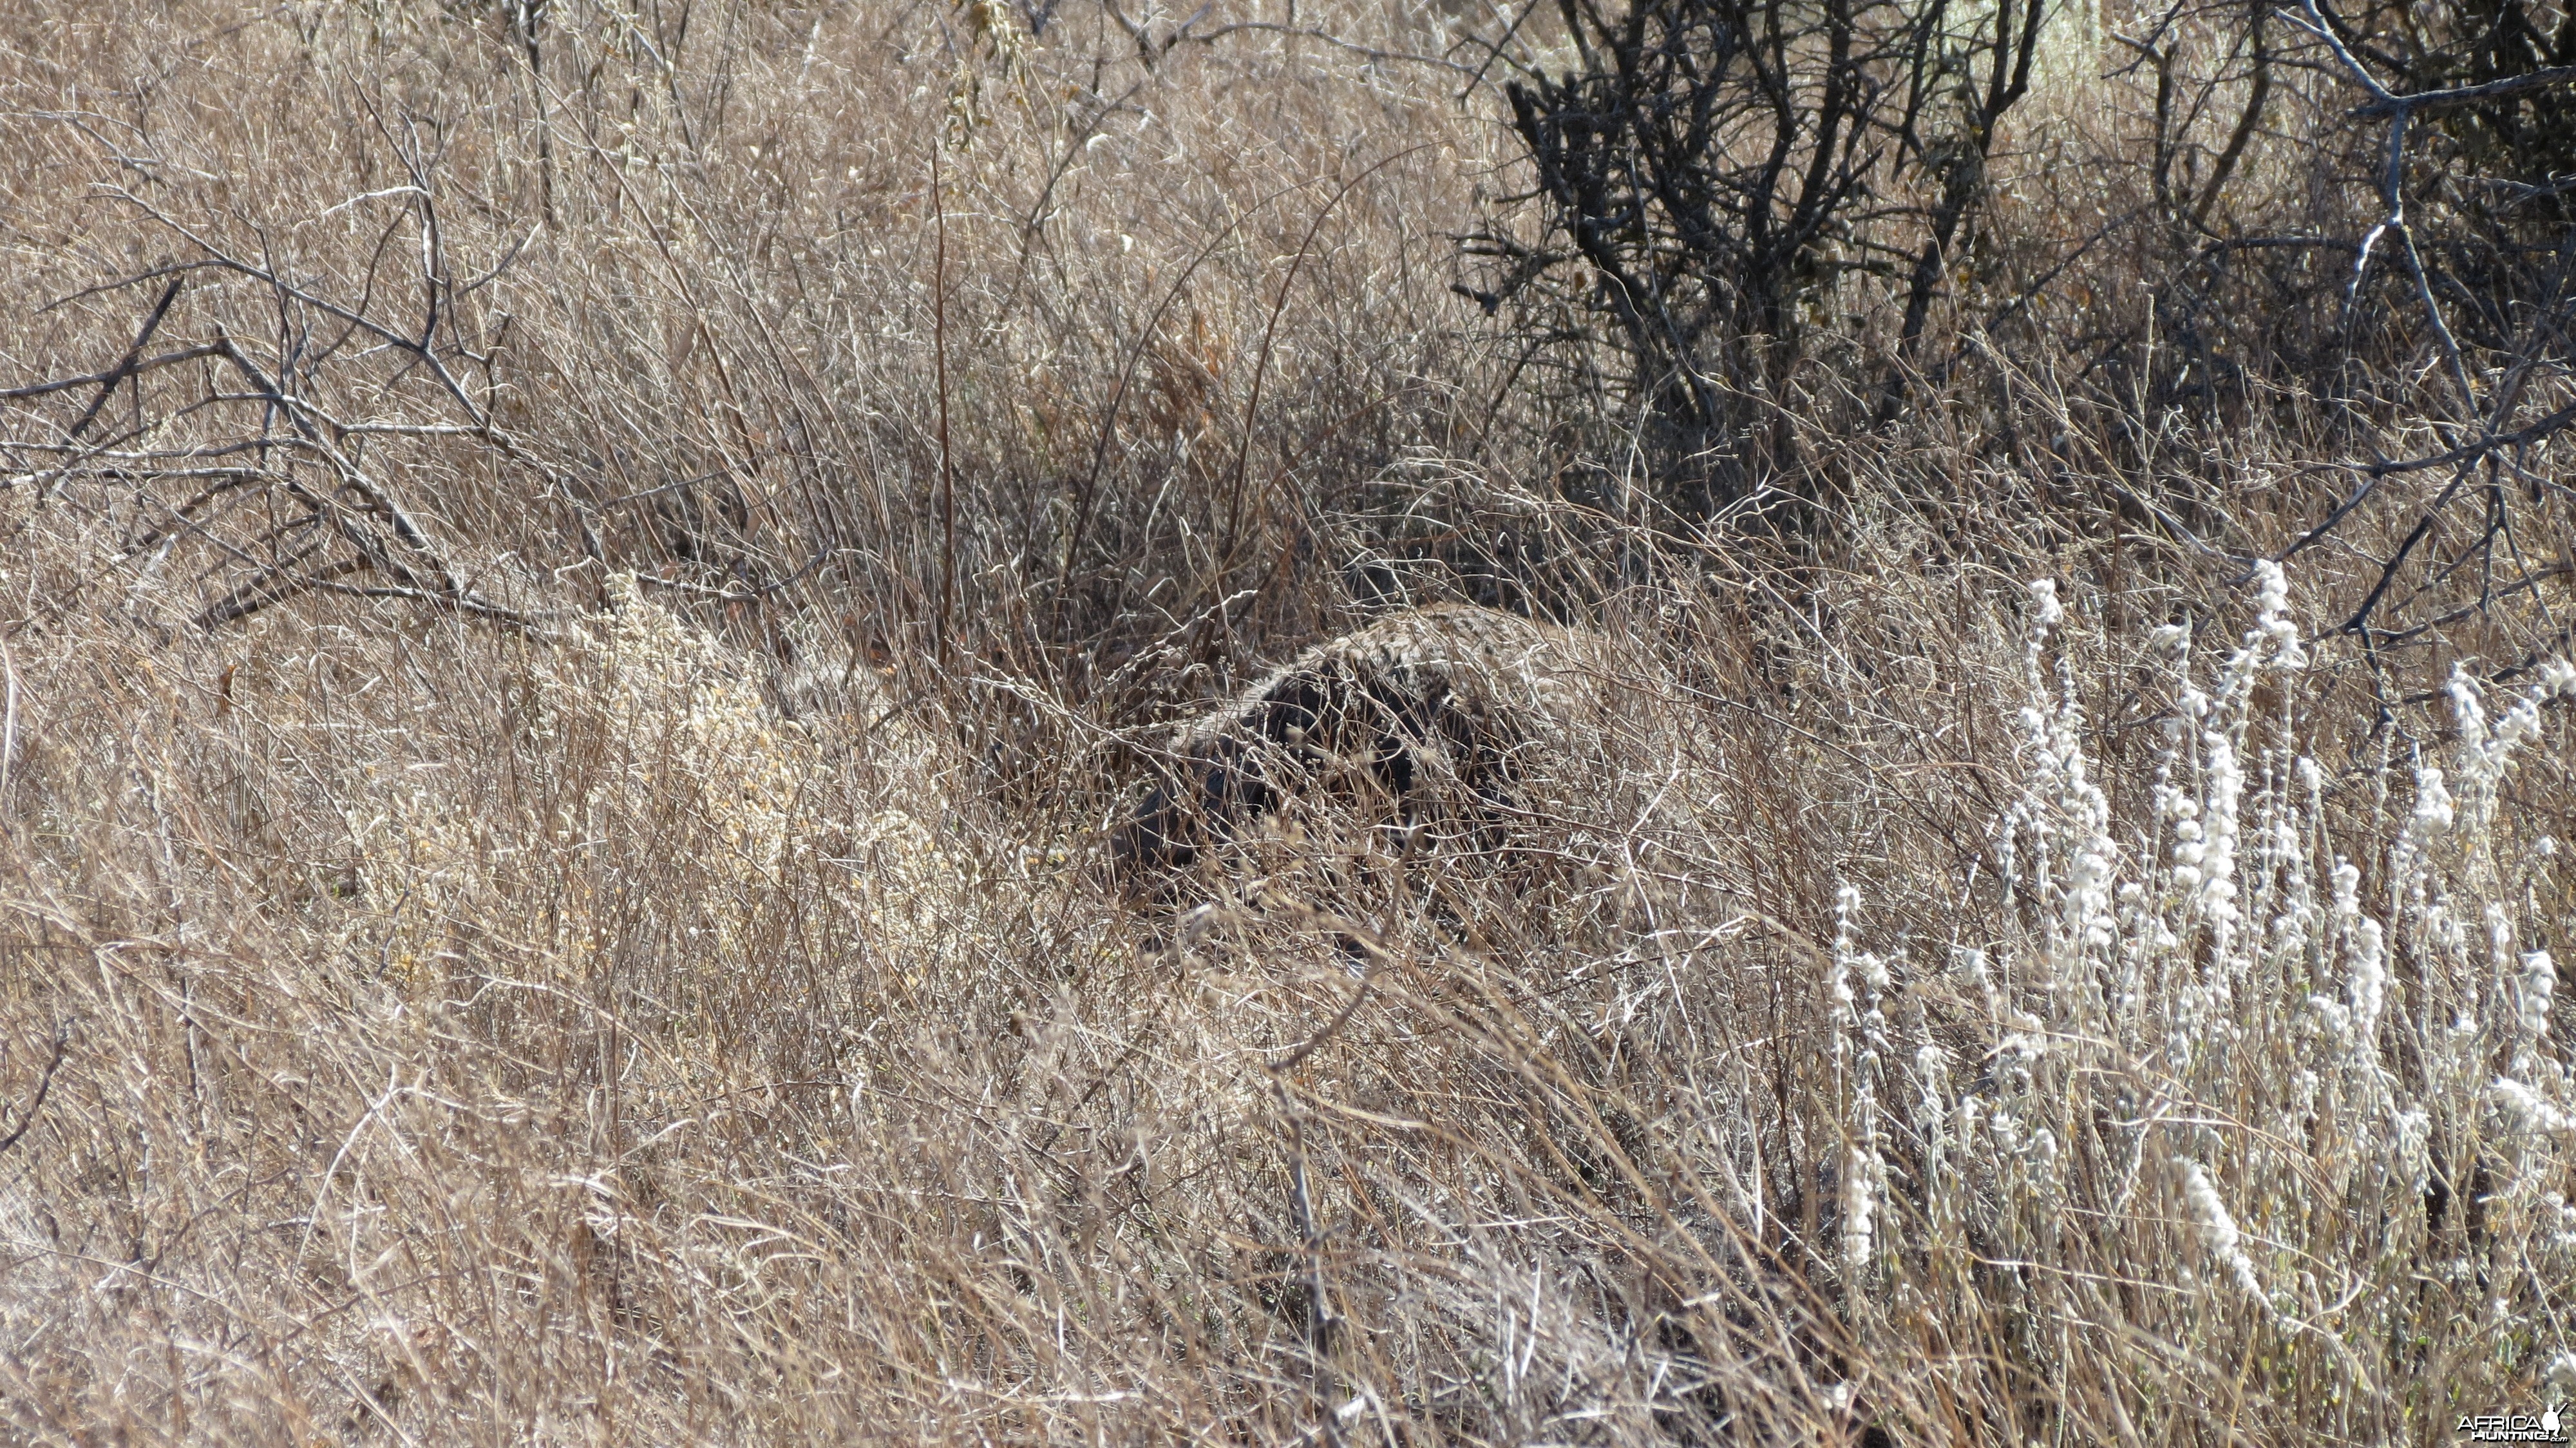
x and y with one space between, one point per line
1722 173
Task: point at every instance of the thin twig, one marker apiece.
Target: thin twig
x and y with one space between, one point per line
1261 364
118 373
44 1085
939 349
8 720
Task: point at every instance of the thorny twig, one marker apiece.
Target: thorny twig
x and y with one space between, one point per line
1319 1315
44 1085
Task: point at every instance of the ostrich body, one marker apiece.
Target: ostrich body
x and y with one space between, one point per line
1439 709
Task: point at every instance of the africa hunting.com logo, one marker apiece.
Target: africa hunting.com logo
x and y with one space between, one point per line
2547 1427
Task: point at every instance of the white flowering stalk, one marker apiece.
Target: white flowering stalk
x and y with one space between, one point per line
2519 986
2220 839
2273 641
2485 754
2525 1093
1859 982
2368 945
2046 614
1860 1207
2085 921
2434 811
1931 1122
2147 937
2218 1228
2284 885
2216 850
2206 850
2061 799
2251 1000
2534 1111
2539 981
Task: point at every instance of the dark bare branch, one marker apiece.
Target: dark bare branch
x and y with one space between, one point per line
107 380
44 1086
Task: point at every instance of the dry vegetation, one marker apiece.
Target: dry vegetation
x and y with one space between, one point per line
582 582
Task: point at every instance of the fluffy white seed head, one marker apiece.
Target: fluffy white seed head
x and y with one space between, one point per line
2217 1225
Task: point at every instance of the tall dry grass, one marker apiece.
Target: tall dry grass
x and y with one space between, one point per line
554 767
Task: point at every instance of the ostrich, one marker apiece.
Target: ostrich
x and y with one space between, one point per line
1442 709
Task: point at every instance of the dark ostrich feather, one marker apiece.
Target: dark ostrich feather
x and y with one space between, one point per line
1433 708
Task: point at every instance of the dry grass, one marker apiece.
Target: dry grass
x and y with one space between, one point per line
552 774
